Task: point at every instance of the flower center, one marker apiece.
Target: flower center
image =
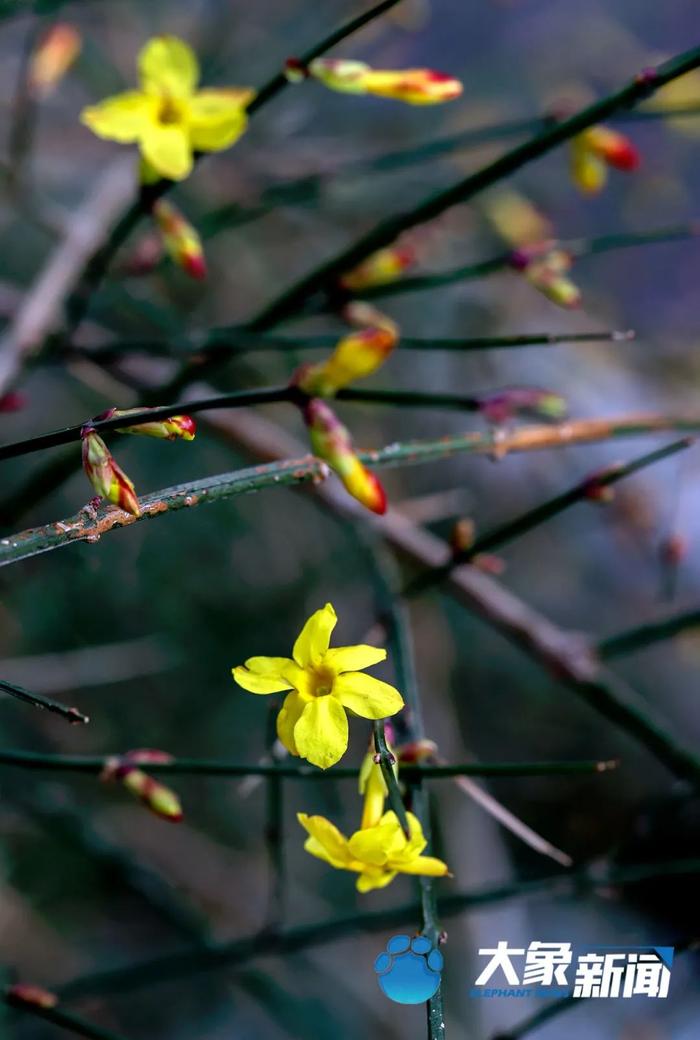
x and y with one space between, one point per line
323 682
169 112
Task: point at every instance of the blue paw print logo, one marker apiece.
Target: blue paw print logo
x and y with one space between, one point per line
409 971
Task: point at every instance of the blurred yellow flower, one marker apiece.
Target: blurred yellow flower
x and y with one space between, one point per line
168 118
376 853
324 683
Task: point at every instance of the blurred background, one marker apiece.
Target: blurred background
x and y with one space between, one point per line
141 630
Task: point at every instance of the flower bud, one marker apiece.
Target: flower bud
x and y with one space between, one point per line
106 477
26 993
382 267
596 488
53 56
331 441
181 240
511 402
516 219
356 356
596 148
175 427
416 751
545 266
414 86
158 798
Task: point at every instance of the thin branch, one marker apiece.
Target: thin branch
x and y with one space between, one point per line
228 954
95 764
387 231
577 247
89 523
385 762
68 434
58 1017
39 701
40 310
644 635
532 518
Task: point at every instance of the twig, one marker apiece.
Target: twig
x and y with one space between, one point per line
238 951
385 762
221 767
577 247
58 1017
41 308
642 86
644 635
89 524
532 518
39 701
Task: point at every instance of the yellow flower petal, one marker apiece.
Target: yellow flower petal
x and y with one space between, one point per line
428 866
262 675
167 148
325 840
369 845
321 734
366 696
217 118
289 715
168 66
124 117
353 658
366 882
312 642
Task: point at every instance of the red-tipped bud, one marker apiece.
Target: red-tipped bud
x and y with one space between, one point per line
181 240
416 751
413 86
22 993
514 401
356 356
545 266
331 441
593 151
597 486
158 798
106 477
175 427
53 56
382 267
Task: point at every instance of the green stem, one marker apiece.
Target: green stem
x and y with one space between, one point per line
644 635
578 247
586 489
387 231
386 763
38 701
227 954
89 524
235 399
94 764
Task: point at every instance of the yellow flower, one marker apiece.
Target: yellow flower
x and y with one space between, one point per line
376 853
324 683
168 118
